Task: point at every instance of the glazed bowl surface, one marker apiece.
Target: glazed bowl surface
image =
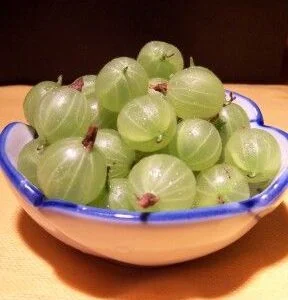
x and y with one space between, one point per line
148 239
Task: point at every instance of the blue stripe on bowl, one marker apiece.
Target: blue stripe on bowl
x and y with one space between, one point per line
36 198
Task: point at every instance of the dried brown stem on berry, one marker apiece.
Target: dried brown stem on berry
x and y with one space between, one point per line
232 97
77 84
89 140
160 87
165 56
214 119
220 200
227 172
169 55
125 70
147 200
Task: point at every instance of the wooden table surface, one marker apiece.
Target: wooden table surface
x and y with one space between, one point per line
34 265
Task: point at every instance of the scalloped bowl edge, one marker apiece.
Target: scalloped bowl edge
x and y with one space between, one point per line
137 238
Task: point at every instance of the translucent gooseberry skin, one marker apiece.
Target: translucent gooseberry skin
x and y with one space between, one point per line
119 157
89 89
160 59
202 69
198 143
100 116
232 118
166 177
62 113
102 199
147 123
255 153
195 93
97 114
120 195
119 81
257 188
28 160
220 184
67 170
139 155
33 98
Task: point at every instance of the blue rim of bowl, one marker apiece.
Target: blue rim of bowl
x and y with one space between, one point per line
251 205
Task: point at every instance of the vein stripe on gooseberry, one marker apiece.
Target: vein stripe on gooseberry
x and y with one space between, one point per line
162 190
50 108
207 158
155 122
246 154
76 173
134 82
166 173
46 184
193 153
145 129
189 102
182 98
179 89
114 150
233 118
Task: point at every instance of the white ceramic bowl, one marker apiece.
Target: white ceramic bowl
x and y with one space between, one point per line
144 239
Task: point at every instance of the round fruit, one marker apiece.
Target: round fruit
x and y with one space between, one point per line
62 113
255 152
119 157
160 59
72 169
161 182
195 93
119 81
147 123
34 97
231 118
100 116
28 159
198 143
120 195
221 184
